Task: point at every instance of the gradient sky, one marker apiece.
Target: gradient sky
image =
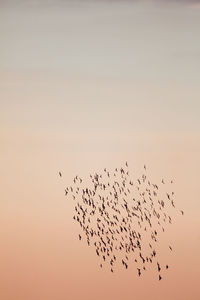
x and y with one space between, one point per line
83 85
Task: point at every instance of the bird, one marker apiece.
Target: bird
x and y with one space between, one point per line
158 267
60 174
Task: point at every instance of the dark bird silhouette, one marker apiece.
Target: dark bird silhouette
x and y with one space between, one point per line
158 265
60 174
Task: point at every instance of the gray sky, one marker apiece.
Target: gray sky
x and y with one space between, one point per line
97 59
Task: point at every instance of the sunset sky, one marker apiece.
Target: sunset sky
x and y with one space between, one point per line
86 85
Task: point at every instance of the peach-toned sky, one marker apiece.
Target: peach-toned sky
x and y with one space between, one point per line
84 85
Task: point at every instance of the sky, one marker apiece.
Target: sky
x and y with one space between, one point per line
84 85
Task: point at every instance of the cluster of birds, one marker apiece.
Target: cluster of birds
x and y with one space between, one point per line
122 219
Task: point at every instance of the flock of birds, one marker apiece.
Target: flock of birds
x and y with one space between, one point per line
122 219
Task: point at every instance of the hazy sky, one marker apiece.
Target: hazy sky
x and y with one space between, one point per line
83 85
148 51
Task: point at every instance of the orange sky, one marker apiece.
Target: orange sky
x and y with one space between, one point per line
81 89
41 257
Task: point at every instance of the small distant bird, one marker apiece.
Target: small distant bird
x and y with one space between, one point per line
167 266
60 174
158 267
159 277
182 212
